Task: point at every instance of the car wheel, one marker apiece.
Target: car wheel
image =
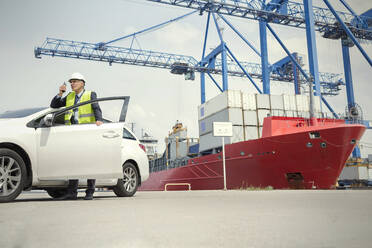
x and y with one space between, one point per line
12 175
56 193
127 186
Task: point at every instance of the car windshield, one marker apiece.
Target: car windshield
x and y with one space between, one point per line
20 113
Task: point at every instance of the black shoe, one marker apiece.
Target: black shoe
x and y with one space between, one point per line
71 190
90 190
68 196
88 197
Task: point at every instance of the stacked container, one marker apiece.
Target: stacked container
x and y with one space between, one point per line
250 118
263 110
247 113
290 107
303 107
226 107
277 105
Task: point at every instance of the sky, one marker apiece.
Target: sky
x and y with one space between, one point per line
158 98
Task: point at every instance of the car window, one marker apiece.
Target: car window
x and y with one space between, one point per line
20 113
128 135
103 106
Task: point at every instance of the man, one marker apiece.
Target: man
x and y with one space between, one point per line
85 114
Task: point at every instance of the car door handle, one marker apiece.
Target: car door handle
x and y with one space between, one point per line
110 134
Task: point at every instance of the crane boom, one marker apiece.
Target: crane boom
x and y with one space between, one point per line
179 64
282 12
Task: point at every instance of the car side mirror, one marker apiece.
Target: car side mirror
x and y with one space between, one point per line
48 120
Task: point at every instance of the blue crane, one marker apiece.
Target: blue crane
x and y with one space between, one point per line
349 27
177 64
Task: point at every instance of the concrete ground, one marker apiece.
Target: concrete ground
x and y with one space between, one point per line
276 218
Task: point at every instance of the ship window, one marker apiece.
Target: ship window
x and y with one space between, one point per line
352 141
309 144
314 135
242 153
323 145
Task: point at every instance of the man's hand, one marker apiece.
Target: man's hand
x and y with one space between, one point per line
99 123
62 89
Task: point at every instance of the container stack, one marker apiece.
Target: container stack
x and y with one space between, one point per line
226 107
247 112
303 107
277 105
263 110
290 107
251 130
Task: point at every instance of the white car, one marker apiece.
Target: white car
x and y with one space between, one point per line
37 151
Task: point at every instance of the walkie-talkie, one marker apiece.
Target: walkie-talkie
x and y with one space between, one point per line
64 83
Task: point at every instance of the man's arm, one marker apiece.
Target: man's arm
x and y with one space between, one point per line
58 102
96 109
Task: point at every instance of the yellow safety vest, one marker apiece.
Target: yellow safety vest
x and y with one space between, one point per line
86 114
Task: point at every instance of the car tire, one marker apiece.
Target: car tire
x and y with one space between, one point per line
12 175
127 186
56 193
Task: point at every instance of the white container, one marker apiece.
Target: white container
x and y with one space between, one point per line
249 101
250 118
227 99
234 115
289 102
303 114
262 114
208 141
302 103
277 102
290 113
354 173
370 174
251 132
263 101
277 112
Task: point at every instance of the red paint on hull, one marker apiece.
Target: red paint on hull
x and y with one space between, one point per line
268 160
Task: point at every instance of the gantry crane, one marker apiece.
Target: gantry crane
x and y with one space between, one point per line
178 64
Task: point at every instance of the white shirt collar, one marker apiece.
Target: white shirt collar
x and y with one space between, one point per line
81 93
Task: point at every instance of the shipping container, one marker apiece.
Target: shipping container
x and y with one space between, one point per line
302 103
227 99
289 102
303 114
249 101
290 113
208 141
251 132
276 102
233 115
277 112
261 115
250 118
263 101
354 173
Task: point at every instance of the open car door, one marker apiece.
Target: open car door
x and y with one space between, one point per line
80 151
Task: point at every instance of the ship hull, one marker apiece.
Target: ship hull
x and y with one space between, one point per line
293 160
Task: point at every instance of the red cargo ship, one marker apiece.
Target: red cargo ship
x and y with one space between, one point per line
292 153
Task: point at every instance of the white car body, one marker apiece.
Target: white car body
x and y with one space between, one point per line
57 153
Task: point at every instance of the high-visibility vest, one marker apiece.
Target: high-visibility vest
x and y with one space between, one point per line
86 114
